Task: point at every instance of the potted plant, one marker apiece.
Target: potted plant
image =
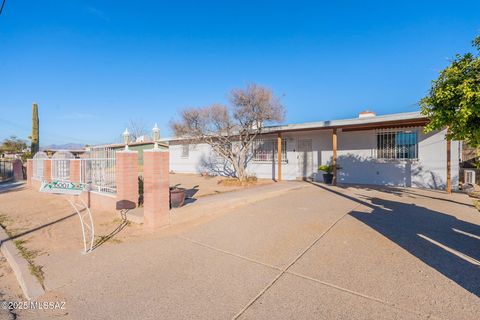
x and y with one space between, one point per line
177 196
328 169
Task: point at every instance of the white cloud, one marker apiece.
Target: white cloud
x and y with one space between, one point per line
97 13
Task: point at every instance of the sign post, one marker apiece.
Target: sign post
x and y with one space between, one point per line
75 189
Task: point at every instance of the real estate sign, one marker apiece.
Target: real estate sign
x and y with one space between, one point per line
62 187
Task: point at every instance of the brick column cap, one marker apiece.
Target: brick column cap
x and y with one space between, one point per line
155 150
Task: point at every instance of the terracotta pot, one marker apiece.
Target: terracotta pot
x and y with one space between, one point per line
177 197
328 178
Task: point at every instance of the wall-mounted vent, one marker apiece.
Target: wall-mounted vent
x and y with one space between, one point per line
469 176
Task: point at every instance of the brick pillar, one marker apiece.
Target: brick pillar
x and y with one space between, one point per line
17 170
126 177
156 188
47 170
29 172
75 170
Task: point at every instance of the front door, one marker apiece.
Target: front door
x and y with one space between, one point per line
304 159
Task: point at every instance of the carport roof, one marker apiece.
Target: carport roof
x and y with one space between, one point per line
405 119
373 122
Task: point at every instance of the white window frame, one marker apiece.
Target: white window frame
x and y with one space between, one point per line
387 147
185 151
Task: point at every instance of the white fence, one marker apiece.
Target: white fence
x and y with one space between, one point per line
61 165
98 170
38 161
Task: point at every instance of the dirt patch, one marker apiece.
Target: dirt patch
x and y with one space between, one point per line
203 185
39 224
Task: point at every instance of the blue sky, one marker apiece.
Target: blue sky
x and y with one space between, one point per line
93 65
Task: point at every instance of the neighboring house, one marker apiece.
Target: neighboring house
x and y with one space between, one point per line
77 153
133 146
387 150
469 155
469 165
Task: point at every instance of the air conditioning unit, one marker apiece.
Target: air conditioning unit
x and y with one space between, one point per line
469 176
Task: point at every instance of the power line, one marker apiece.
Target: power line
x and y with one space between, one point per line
1 8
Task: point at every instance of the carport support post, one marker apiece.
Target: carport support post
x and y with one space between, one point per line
279 156
156 188
126 176
449 166
334 158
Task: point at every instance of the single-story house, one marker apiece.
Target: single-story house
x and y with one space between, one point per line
389 150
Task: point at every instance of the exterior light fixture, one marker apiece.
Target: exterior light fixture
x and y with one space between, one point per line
126 138
156 136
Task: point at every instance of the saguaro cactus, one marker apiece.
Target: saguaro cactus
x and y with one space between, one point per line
35 130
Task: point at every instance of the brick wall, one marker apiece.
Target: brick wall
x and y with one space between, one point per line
47 170
156 186
126 177
75 170
29 172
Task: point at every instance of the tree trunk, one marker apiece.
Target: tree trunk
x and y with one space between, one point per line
242 173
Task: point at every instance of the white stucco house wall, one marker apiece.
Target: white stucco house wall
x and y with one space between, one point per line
390 150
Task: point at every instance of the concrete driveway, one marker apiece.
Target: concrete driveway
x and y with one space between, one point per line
315 253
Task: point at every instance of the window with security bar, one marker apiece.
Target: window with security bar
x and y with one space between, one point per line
397 144
265 150
185 150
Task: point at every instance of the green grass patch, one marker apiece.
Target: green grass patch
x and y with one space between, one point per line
26 253
476 203
103 239
3 220
30 256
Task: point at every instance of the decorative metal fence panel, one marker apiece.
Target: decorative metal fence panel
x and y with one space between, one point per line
6 170
61 165
38 160
97 169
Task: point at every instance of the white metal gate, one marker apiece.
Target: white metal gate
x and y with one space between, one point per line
98 170
37 164
61 165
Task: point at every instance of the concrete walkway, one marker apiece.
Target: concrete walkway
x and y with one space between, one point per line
207 206
312 253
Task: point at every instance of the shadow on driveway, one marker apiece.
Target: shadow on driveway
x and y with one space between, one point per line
445 243
12 186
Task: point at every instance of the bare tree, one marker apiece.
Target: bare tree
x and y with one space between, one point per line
231 130
137 128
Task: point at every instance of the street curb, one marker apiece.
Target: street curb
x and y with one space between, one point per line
30 286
